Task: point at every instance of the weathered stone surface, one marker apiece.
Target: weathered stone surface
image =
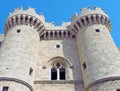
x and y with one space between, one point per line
82 48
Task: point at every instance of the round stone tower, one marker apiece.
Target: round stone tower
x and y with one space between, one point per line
99 56
19 50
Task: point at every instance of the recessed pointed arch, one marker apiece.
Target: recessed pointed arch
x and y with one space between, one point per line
61 60
59 68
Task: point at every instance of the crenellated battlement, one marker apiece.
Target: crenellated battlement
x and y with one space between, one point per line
87 11
25 17
90 17
78 21
57 34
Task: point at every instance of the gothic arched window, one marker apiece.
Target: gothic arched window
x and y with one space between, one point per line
62 74
58 72
53 74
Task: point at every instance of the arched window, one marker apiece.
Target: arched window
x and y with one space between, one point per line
59 68
53 74
58 71
62 74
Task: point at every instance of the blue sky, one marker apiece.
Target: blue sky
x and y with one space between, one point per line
62 10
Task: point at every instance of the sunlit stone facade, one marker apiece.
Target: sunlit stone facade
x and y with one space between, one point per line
80 55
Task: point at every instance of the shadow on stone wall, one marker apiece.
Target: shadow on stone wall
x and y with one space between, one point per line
70 52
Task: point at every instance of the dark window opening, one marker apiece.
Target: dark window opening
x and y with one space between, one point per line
18 30
0 43
60 34
42 37
97 30
78 23
83 22
73 37
57 46
16 19
51 33
97 18
31 19
53 74
21 18
58 65
64 33
55 34
92 19
35 21
5 89
46 34
68 33
31 71
26 18
87 19
38 24
118 90
75 27
62 74
84 66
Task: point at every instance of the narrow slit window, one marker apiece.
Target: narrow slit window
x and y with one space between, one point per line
31 20
97 30
62 74
75 27
82 20
60 34
55 34
42 37
18 30
84 66
68 33
87 19
57 46
51 33
5 88
64 33
78 23
31 71
53 74
46 34
0 43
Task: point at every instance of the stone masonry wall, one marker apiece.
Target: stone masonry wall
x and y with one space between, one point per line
67 50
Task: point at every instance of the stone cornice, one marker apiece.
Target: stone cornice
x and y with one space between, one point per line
57 81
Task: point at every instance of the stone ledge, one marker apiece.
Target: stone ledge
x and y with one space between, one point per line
57 81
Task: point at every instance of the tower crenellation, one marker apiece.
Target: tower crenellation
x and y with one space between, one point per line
26 17
89 17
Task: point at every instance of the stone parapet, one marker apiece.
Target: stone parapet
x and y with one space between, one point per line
28 17
89 17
